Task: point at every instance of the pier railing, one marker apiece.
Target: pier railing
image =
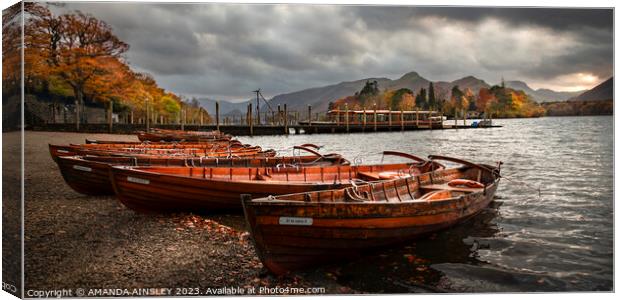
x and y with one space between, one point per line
272 122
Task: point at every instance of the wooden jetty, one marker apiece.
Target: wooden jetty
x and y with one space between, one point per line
283 121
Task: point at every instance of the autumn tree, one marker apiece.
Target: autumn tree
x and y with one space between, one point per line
110 86
75 48
400 99
77 56
407 101
11 49
485 100
471 100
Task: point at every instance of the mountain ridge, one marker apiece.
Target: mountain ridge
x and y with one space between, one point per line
603 91
542 94
320 97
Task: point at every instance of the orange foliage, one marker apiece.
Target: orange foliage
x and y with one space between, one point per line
78 52
485 99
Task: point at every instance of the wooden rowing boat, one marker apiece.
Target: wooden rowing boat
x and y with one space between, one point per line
207 189
90 174
104 143
297 231
73 150
157 135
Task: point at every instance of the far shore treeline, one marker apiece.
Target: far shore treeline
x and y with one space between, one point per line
497 101
76 58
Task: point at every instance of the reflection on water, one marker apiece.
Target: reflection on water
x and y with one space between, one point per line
561 240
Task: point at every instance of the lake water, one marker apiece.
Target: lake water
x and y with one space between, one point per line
561 240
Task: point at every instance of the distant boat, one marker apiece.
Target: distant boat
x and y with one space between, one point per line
297 231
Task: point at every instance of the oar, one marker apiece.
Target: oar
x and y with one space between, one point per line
463 162
330 157
495 172
412 157
308 150
311 146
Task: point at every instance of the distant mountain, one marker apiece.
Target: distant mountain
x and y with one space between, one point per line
319 97
541 95
603 91
226 107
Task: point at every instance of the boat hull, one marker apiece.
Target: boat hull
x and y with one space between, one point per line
151 192
86 177
295 236
91 175
207 188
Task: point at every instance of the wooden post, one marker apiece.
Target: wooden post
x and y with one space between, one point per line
338 117
250 119
464 117
309 115
417 117
402 121
131 117
374 119
441 118
257 110
285 119
390 119
217 115
111 106
147 115
346 115
430 120
77 111
364 118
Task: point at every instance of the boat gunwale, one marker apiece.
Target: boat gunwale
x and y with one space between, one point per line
139 169
276 202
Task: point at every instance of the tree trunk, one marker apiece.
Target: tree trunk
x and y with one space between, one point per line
110 108
78 102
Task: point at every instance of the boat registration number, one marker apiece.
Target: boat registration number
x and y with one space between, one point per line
295 221
138 180
82 168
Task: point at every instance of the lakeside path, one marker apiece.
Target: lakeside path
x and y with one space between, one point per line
76 241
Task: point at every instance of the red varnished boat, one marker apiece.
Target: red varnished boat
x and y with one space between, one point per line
204 189
157 135
113 144
296 231
90 174
103 142
233 151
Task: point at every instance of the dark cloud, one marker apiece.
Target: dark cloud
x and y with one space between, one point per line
228 50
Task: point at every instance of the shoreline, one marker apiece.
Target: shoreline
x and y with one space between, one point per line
77 241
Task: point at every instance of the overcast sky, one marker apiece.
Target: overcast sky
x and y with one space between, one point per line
224 51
